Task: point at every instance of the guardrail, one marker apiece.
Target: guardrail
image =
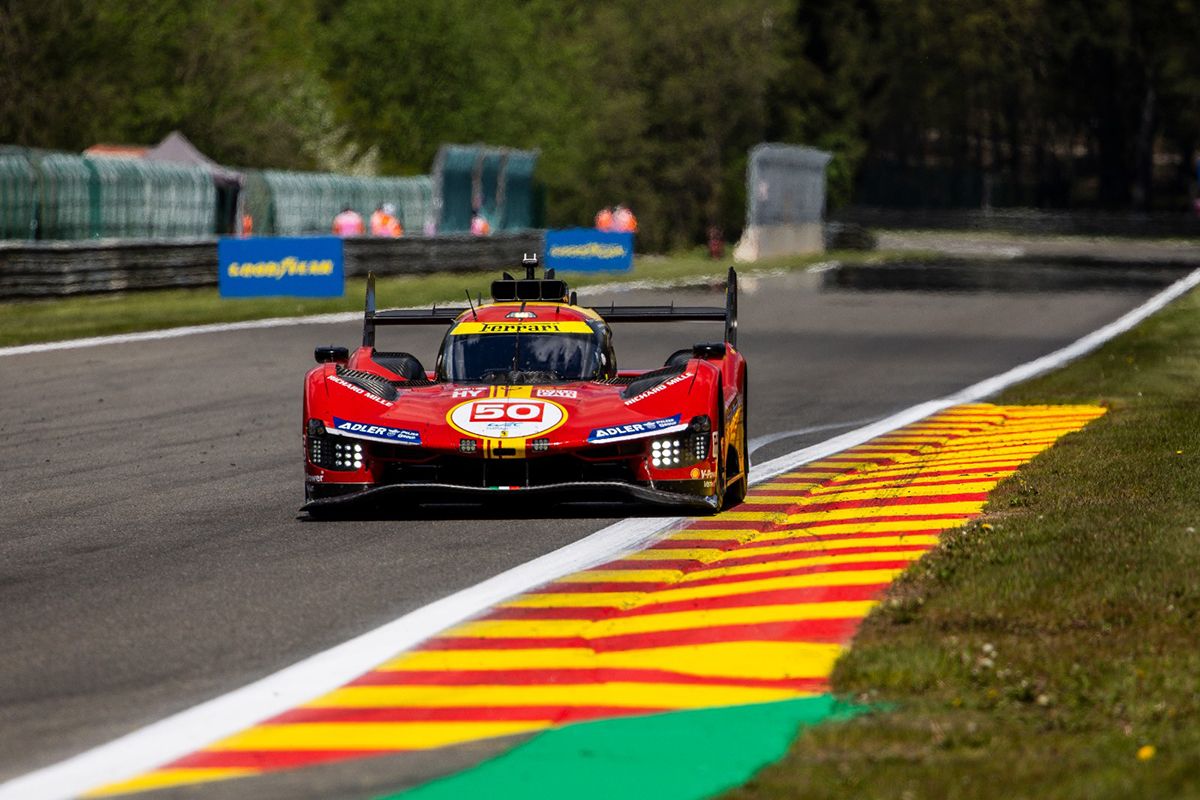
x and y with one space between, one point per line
59 269
1027 221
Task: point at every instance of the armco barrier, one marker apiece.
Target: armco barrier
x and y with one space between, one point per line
1027 221
58 269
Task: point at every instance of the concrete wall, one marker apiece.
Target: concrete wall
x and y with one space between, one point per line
768 241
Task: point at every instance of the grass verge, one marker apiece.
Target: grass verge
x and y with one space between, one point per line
23 322
1048 650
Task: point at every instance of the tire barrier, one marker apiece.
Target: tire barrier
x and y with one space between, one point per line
59 269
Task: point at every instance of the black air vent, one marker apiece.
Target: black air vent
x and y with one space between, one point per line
650 380
369 381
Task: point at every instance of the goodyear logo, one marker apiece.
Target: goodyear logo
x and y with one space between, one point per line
272 266
589 250
279 269
521 327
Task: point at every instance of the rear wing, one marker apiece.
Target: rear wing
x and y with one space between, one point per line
614 313
673 313
401 316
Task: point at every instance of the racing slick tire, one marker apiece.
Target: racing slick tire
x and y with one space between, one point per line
736 493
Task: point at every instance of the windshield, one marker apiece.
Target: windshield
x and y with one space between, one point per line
523 358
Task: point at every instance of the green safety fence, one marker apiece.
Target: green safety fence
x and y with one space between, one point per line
47 195
412 197
453 176
67 186
18 195
519 195
496 181
298 203
152 199
491 165
65 196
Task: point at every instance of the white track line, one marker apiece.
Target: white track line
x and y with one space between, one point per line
324 319
759 442
190 730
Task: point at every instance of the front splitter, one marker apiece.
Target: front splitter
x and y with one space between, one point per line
585 491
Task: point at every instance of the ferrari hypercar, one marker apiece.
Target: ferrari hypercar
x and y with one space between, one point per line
526 399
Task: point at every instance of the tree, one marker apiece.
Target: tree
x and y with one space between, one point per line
239 77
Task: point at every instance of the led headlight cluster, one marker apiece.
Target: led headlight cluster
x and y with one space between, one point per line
666 453
685 448
467 445
347 455
539 445
332 453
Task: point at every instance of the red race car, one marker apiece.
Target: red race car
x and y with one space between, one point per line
526 399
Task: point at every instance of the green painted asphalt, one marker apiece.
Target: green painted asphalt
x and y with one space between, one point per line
683 755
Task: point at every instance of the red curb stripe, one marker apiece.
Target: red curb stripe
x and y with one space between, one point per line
951 520
777 597
554 713
794 538
768 558
694 565
621 586
567 676
834 631
787 573
885 484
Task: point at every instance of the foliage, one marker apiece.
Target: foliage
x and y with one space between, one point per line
239 78
1071 103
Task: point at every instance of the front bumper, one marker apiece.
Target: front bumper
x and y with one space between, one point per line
580 491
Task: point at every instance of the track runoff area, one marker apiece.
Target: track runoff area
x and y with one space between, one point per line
649 633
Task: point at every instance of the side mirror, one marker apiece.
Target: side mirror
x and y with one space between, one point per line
331 354
713 350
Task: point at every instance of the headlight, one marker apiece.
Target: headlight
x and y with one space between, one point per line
666 453
336 452
684 448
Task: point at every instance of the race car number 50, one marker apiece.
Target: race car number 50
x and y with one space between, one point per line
508 412
499 417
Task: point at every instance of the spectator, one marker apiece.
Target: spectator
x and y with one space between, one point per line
604 219
384 222
623 220
479 224
716 242
348 223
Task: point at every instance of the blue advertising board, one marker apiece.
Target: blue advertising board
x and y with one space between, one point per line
589 250
295 266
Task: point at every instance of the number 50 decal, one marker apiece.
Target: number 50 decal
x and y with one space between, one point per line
522 411
499 417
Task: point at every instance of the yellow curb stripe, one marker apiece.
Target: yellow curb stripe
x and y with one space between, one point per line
885 502
753 660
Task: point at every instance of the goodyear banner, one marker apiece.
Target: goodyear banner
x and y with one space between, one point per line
589 250
302 266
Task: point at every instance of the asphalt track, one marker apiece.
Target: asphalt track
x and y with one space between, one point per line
150 555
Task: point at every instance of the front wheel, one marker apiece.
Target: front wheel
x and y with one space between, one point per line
737 458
